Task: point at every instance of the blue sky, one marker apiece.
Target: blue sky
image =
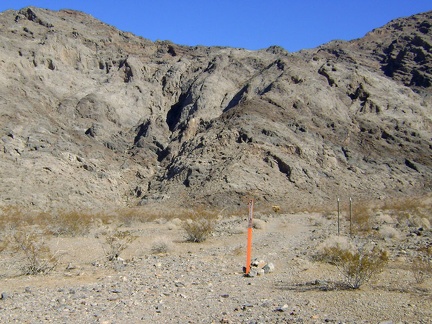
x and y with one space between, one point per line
252 24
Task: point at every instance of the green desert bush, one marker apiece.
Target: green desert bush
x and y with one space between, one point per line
357 263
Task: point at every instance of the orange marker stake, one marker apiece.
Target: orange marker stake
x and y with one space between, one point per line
249 239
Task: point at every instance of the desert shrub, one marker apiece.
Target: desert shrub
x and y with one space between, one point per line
421 268
115 242
389 232
421 265
332 242
161 245
198 230
31 253
200 225
356 266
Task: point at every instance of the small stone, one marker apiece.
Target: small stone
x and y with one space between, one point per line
269 267
252 273
283 308
247 305
70 266
3 296
258 263
113 298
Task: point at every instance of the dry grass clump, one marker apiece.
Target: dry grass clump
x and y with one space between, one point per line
161 245
142 214
174 224
199 224
58 223
389 232
12 217
357 263
361 219
130 216
69 223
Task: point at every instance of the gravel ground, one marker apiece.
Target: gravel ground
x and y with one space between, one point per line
204 282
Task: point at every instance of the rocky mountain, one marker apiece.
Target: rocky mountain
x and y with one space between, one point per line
94 117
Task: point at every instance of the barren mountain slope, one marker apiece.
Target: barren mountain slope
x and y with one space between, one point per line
95 117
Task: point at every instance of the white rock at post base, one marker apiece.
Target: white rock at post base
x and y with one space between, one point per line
268 268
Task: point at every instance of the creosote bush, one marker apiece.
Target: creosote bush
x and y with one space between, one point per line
116 242
357 264
199 225
32 253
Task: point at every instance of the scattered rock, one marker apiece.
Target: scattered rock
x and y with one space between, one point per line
268 268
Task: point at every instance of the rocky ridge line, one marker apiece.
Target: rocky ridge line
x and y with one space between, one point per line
96 117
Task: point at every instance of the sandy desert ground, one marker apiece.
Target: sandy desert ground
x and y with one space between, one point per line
204 282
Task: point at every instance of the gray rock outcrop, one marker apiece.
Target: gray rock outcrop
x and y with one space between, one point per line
93 117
